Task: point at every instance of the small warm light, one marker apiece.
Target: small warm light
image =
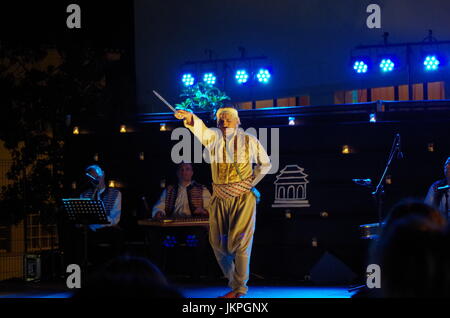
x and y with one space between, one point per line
141 156
96 157
162 183
288 214
314 242
76 131
162 127
291 121
431 147
346 149
123 129
112 184
389 179
373 118
74 185
113 56
324 214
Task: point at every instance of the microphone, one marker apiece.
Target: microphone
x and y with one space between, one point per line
443 188
92 179
363 182
399 147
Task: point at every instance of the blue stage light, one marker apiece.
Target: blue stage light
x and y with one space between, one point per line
241 76
291 121
209 78
387 65
188 79
360 67
192 240
431 63
263 76
170 241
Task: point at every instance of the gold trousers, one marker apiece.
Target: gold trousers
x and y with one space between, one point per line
232 225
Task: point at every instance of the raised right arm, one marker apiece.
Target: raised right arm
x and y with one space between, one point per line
206 135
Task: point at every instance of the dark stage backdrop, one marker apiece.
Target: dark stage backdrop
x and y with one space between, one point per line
308 42
284 244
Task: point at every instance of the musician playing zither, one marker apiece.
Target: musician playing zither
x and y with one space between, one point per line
186 199
233 205
182 202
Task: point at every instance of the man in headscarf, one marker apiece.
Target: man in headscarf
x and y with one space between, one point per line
233 205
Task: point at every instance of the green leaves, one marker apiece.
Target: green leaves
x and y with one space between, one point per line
202 97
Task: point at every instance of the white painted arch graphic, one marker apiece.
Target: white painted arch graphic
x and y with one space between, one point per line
291 188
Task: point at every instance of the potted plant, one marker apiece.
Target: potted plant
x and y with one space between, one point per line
202 97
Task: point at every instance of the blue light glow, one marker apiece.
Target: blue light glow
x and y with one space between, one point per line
192 240
431 63
188 79
241 76
170 241
271 292
263 76
387 65
360 67
209 78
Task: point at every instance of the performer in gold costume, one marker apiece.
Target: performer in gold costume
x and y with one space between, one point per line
233 205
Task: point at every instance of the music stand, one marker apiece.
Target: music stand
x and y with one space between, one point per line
85 212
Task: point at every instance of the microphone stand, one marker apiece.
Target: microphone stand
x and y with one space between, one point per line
85 232
379 190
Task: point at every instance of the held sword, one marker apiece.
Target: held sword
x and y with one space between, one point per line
164 101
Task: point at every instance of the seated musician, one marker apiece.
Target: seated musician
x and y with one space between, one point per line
186 199
112 198
104 234
438 195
